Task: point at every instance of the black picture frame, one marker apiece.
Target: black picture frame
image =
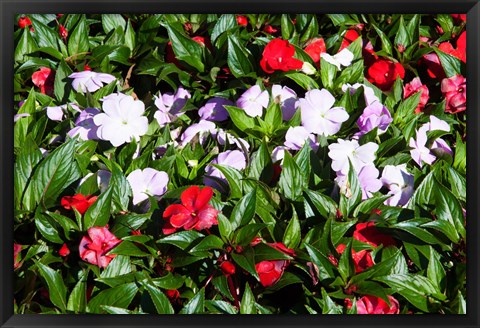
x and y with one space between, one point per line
11 7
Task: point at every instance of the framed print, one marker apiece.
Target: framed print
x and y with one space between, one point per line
254 163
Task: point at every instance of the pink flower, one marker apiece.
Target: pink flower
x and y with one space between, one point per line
412 88
375 305
454 90
193 213
44 79
94 247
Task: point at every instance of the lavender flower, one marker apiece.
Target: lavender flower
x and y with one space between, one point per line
278 154
147 182
287 98
224 138
345 150
232 158
296 137
374 115
85 127
214 109
253 101
57 113
170 105
399 182
90 80
419 152
202 128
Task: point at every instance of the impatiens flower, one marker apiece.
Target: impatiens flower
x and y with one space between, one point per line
344 150
193 213
315 49
270 272
460 52
343 58
94 247
434 67
89 80
44 79
287 98
122 120
368 92
419 152
375 305
270 29
17 248
296 137
242 20
278 154
214 109
374 115
368 179
225 138
383 73
362 259
202 129
24 22
368 233
350 36
253 101
57 113
80 202
64 251
147 182
85 127
16 117
318 116
399 182
232 158
412 88
278 56
170 105
454 90
228 268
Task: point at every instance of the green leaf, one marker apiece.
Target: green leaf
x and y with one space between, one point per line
56 287
383 268
370 204
186 49
181 239
77 301
323 204
386 45
293 233
224 23
196 304
121 188
327 73
130 37
161 302
435 271
222 307
402 38
112 21
305 81
346 267
78 39
120 296
207 243
245 235
66 223
273 118
406 110
326 270
62 84
234 178
448 208
261 164
460 160
244 211
246 260
291 179
353 195
123 224
288 29
247 305
128 248
241 120
98 214
458 183
451 65
120 265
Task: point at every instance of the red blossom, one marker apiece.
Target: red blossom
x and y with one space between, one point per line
362 259
24 22
44 79
17 248
368 233
80 202
94 247
348 38
315 48
270 29
270 272
454 90
375 305
412 88
64 251
460 51
278 55
228 268
62 31
173 294
242 20
384 72
193 213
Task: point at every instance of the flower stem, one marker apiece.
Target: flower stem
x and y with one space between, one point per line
233 291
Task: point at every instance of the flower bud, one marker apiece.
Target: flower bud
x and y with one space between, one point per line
228 268
242 20
23 22
308 68
64 251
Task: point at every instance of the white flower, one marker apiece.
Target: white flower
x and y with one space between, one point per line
122 120
399 182
343 58
345 150
90 80
147 182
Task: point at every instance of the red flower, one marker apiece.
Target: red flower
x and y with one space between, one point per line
375 305
278 55
173 294
412 88
228 268
242 20
17 248
270 29
24 22
460 52
384 72
348 38
454 90
368 233
94 248
64 251
44 79
459 17
434 68
270 272
62 31
363 260
193 213
315 49
80 202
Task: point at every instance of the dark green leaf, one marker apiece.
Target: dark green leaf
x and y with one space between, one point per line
196 304
98 213
56 287
119 296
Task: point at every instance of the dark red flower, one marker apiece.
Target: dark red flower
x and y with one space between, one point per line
384 72
412 88
362 259
62 31
17 248
228 268
173 294
270 272
242 20
348 38
459 18
64 251
460 52
44 79
375 305
315 48
94 247
80 202
434 67
454 90
270 29
368 233
24 22
193 213
278 55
